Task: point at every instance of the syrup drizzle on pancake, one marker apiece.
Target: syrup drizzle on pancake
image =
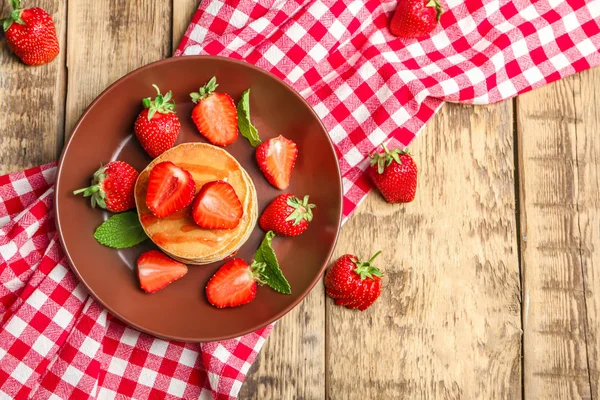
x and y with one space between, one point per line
163 238
147 218
204 170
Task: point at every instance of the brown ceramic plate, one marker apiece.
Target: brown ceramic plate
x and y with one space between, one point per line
105 133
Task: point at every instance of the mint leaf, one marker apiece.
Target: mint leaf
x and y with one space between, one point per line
246 128
271 273
121 231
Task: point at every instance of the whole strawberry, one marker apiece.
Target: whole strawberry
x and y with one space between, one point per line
157 126
30 34
353 283
112 187
394 172
287 215
415 18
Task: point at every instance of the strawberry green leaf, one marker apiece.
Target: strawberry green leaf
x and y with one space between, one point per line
270 273
247 130
121 231
205 90
366 269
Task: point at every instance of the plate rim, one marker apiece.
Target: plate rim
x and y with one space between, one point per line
68 143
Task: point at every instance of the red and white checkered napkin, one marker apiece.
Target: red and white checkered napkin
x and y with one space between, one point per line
56 342
369 86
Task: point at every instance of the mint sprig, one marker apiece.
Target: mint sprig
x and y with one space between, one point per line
266 262
247 130
121 231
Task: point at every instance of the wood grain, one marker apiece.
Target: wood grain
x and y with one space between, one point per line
559 201
292 362
587 102
31 101
447 325
107 39
183 11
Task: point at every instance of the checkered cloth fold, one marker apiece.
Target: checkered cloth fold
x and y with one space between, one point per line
367 86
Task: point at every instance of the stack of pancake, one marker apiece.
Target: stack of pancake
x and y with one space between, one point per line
177 234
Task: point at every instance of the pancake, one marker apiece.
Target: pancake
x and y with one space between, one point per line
177 234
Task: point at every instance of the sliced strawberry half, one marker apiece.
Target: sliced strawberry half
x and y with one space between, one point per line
234 284
217 206
276 158
170 189
156 270
215 114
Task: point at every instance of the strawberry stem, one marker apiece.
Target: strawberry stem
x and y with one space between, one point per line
95 190
438 8
374 256
366 270
161 104
302 210
257 271
384 159
205 90
15 15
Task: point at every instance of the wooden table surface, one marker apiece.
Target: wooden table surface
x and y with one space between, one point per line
490 289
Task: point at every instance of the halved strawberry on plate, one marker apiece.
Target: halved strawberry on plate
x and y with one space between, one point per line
156 270
234 284
276 157
214 114
217 206
170 189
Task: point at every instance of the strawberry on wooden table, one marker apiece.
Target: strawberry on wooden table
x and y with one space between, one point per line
30 34
156 270
415 18
276 156
215 115
287 215
394 173
112 187
236 282
170 188
353 283
217 206
157 125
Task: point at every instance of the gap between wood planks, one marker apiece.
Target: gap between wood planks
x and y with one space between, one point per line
518 213
581 263
556 370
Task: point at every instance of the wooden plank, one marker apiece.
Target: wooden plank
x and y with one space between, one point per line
32 101
183 11
107 39
588 150
448 322
558 173
292 362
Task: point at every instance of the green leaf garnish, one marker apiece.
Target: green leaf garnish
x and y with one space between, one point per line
247 130
266 262
121 231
